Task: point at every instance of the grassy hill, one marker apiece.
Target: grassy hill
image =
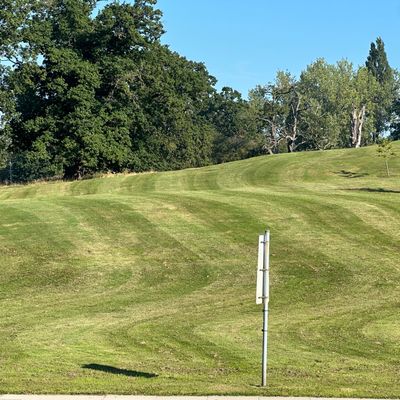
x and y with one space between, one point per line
146 283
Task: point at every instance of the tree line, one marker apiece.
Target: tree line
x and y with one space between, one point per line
82 93
330 105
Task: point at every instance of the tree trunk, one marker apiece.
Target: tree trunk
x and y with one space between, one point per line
291 141
357 121
387 167
272 139
290 145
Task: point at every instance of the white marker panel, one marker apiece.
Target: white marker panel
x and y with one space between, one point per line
266 264
259 287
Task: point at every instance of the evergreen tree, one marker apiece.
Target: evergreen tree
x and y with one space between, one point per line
377 63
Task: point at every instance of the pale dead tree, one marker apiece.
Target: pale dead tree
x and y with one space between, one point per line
269 111
357 122
292 130
280 107
284 120
272 133
294 135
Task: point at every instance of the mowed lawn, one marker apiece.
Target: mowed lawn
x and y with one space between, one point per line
145 284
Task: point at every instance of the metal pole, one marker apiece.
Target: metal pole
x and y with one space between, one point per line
265 308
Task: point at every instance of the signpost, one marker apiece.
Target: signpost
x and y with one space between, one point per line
262 295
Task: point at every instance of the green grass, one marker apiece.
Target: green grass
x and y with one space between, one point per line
135 275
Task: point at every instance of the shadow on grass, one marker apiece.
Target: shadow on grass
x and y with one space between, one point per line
119 371
350 174
374 190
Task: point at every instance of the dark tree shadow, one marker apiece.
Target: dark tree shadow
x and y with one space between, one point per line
374 190
350 174
119 371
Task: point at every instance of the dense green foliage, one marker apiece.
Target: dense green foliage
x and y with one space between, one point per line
236 125
82 93
106 283
101 94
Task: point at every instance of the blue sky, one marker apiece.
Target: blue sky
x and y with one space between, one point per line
244 43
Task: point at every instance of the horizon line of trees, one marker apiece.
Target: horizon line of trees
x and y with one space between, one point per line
81 94
330 105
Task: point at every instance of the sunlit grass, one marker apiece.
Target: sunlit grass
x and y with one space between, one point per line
146 283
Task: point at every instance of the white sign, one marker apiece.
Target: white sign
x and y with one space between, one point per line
266 266
260 265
